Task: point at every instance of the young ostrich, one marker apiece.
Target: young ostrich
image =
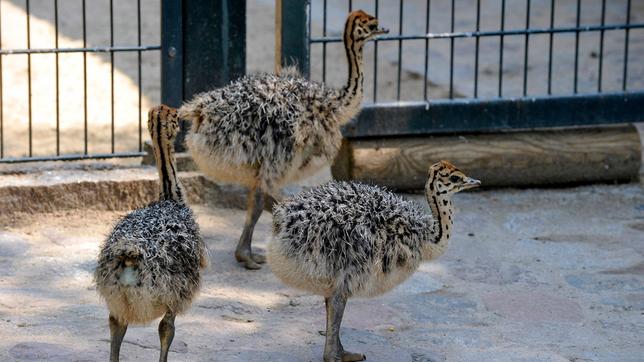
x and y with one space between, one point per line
150 264
344 239
263 131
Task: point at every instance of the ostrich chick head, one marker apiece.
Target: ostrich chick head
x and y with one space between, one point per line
445 179
361 27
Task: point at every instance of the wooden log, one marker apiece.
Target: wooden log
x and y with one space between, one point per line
528 158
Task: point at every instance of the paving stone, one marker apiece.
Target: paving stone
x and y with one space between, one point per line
595 283
37 351
532 306
440 308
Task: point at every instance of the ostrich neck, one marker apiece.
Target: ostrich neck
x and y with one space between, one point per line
442 213
350 97
170 188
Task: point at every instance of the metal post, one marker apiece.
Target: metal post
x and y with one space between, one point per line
293 45
203 47
172 52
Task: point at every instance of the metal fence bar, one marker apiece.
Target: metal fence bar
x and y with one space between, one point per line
400 29
139 75
426 75
473 115
501 39
57 79
112 73
85 78
577 45
72 157
1 95
105 49
29 78
525 50
471 34
375 63
324 45
476 49
626 38
551 38
601 48
451 53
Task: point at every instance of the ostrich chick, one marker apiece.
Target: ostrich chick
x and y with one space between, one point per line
149 266
342 239
266 130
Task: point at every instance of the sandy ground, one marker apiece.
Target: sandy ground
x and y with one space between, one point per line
531 275
260 42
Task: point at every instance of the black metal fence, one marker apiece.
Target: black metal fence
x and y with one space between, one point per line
541 93
111 48
447 66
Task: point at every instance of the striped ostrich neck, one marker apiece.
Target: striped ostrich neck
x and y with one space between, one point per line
442 210
170 187
351 95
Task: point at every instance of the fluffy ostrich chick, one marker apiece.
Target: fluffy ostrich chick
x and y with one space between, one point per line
150 265
266 130
344 239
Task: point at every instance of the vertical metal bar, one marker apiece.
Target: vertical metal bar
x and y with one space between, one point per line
85 77
577 45
427 15
112 72
552 24
375 63
324 44
525 50
57 80
140 83
626 40
501 40
476 51
400 29
1 94
601 48
451 55
350 5
29 77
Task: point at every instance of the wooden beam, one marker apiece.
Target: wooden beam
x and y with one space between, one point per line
531 158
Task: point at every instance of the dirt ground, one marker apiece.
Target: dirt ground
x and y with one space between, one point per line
530 275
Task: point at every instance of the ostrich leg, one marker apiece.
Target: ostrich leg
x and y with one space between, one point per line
254 210
166 335
117 332
333 350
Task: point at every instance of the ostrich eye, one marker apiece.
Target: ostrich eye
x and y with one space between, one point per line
373 27
454 178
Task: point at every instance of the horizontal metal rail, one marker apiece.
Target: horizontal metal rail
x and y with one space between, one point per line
106 49
495 114
72 157
473 34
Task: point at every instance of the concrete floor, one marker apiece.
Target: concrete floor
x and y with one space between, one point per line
531 275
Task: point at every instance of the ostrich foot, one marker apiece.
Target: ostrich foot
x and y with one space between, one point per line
251 260
351 356
344 356
244 253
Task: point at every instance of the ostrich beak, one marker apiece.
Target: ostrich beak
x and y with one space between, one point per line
471 183
381 31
